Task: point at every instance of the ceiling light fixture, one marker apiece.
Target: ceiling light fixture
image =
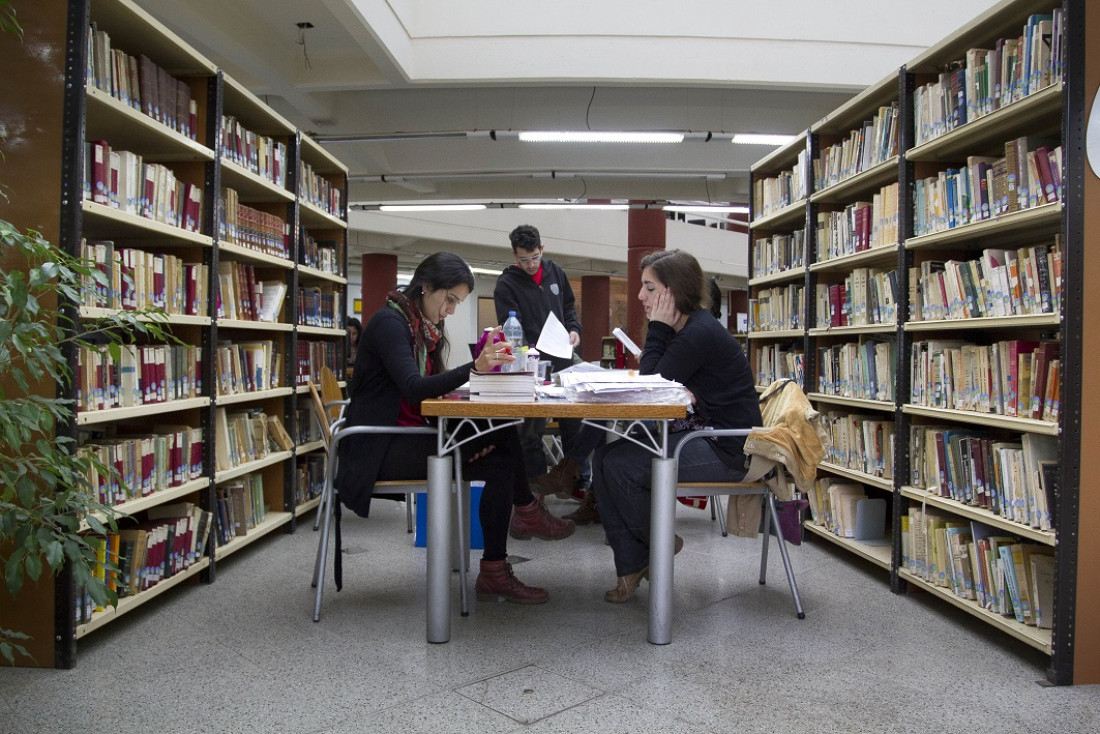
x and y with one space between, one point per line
486 271
761 139
578 206
592 136
397 208
703 209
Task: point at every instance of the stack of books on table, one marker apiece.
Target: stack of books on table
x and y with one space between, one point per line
517 387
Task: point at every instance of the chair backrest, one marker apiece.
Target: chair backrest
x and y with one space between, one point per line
330 392
321 414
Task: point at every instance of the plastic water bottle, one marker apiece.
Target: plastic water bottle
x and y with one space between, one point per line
513 333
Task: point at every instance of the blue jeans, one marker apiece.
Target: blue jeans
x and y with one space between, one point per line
621 476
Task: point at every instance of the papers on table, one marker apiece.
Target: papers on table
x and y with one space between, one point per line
622 386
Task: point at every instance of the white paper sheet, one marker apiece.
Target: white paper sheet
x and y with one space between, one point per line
554 339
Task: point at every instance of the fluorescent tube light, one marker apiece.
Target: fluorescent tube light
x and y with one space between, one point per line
591 136
761 139
589 207
430 207
703 209
487 271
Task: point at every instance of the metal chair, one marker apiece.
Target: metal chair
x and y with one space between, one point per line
329 511
752 487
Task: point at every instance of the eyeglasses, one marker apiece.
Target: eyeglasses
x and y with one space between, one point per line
529 260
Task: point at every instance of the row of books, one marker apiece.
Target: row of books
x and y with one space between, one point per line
140 84
874 142
843 508
258 230
323 307
134 279
859 226
864 443
1015 377
239 507
241 436
867 296
1000 282
325 255
778 308
122 467
262 155
309 478
319 191
312 356
139 375
863 369
779 253
986 80
997 571
244 367
988 187
123 180
241 296
1006 477
769 195
778 362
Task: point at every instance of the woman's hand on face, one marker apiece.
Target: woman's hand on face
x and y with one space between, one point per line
496 353
664 308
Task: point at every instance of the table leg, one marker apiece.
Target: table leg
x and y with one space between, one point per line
661 545
439 548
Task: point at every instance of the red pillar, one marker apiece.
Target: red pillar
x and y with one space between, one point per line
596 318
379 278
645 233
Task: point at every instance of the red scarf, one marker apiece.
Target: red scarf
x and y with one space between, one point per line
425 334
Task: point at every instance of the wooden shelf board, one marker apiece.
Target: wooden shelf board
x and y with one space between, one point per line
155 499
878 555
1027 425
304 270
858 476
1037 638
92 417
271 522
99 217
240 252
1044 537
885 253
1023 224
987 322
861 403
787 215
274 457
864 329
248 397
130 603
777 334
845 190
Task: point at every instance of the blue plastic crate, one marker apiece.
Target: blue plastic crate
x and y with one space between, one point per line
420 534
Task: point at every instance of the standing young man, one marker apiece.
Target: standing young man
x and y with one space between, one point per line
533 288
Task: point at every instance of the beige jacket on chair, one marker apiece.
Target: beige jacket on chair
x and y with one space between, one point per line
793 435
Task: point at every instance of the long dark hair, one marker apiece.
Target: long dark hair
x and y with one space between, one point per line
680 273
440 270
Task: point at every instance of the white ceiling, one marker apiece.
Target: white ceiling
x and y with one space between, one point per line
398 68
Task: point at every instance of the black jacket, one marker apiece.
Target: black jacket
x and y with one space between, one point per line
517 291
385 371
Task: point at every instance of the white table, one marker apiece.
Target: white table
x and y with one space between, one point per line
484 417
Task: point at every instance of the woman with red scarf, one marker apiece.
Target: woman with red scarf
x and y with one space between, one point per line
400 362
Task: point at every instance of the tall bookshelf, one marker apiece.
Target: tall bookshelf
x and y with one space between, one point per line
225 259
862 340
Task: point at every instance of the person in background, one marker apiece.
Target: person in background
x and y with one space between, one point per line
400 362
535 287
354 328
715 294
684 343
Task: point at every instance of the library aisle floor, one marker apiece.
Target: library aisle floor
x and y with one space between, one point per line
243 654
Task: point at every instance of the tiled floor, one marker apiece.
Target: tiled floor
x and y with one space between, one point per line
242 655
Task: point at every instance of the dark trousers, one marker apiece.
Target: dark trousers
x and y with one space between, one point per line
501 469
621 475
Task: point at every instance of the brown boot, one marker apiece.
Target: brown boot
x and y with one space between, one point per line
587 513
535 521
558 481
497 582
626 587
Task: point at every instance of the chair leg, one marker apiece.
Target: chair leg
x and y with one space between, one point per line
408 512
770 518
320 510
716 508
322 546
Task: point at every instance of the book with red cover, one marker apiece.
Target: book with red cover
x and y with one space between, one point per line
1046 178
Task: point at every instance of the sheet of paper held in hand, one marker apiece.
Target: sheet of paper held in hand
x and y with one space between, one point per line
554 339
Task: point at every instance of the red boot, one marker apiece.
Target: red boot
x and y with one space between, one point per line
535 521
496 581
